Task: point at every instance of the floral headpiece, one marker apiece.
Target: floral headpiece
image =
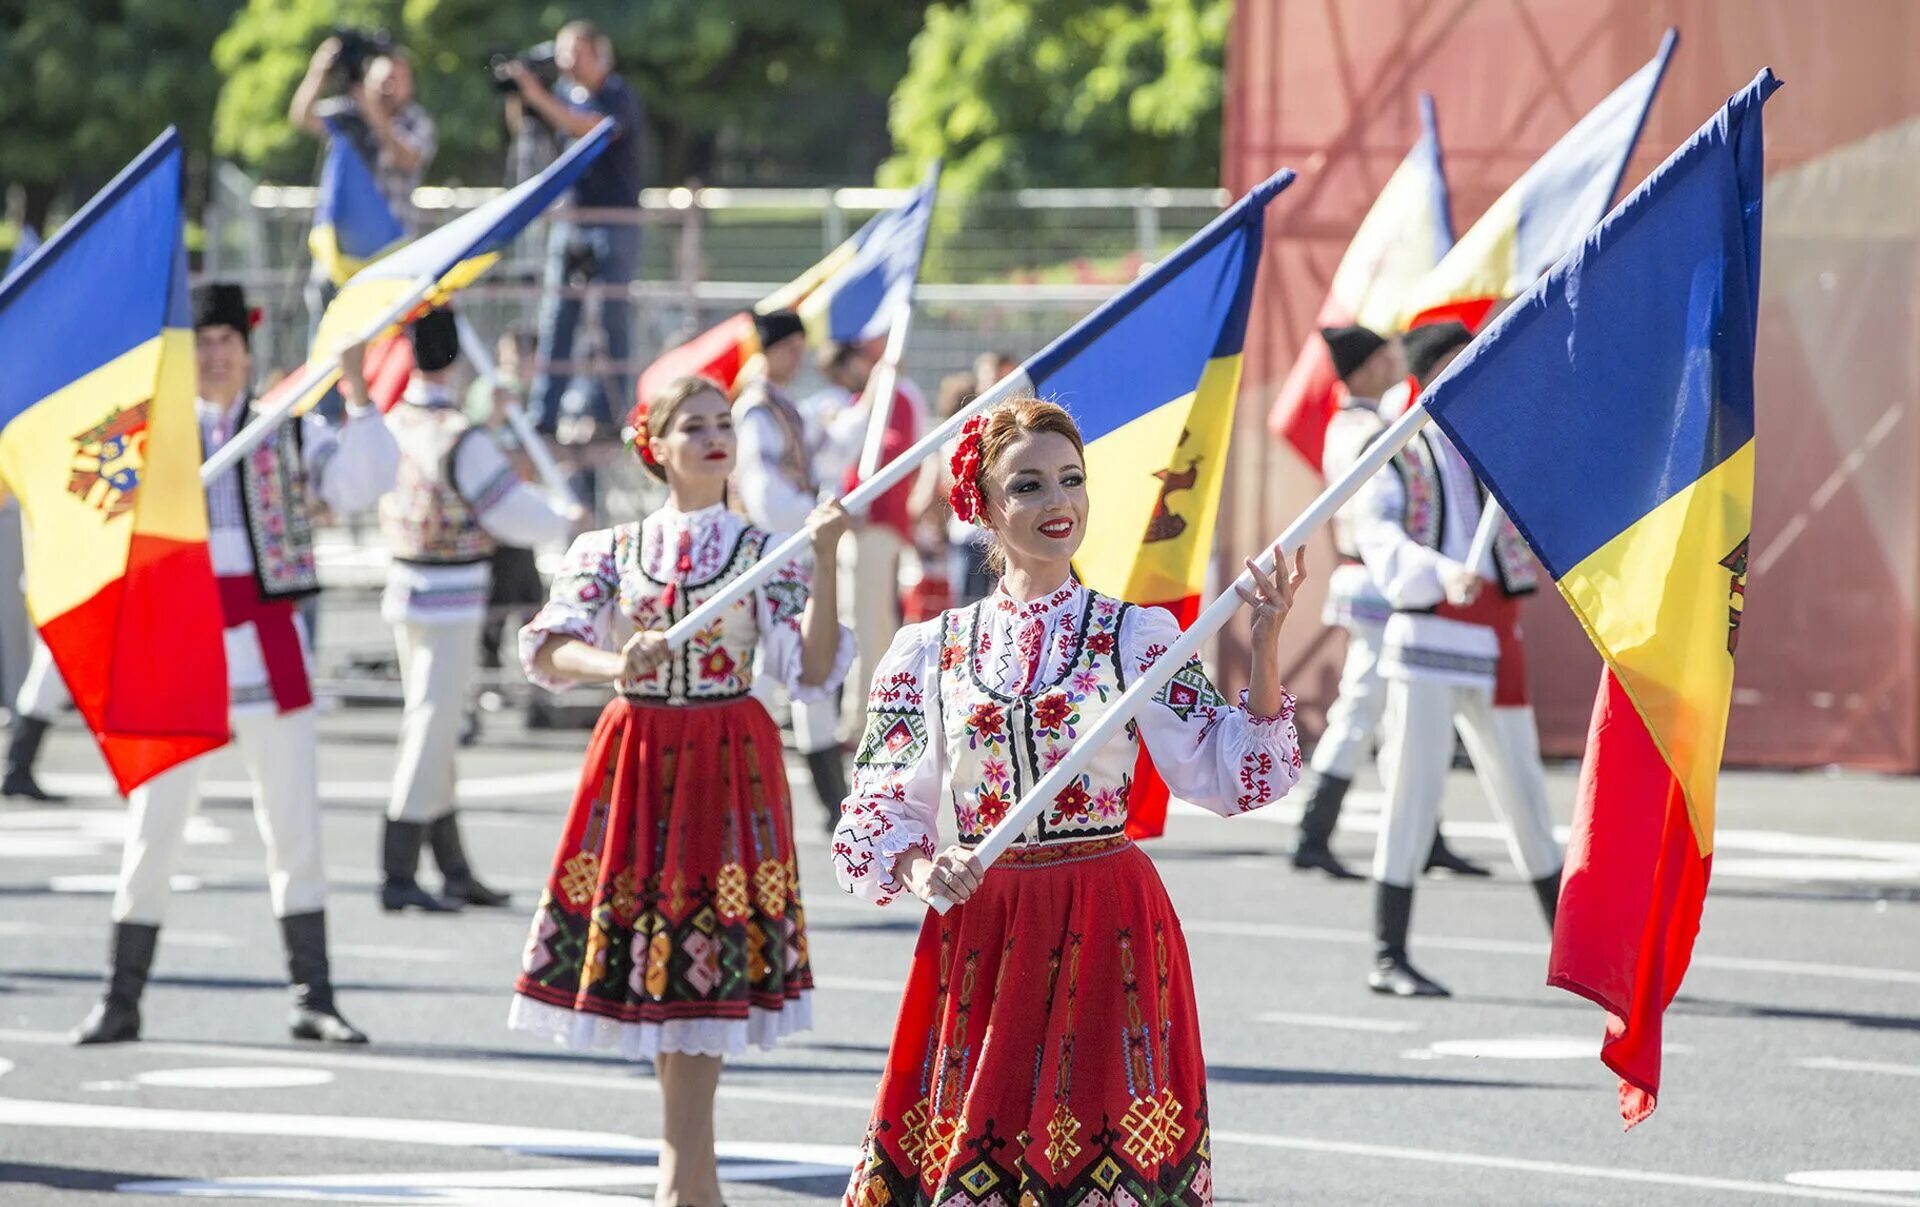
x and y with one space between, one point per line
966 465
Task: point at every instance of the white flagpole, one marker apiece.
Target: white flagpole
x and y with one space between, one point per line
1480 555
878 396
476 350
1136 697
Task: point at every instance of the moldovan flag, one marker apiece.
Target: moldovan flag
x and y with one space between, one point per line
1151 378
1610 411
351 221
849 297
1403 236
435 266
99 440
1547 211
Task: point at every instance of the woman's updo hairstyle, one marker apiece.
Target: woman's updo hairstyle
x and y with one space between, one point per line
654 415
988 435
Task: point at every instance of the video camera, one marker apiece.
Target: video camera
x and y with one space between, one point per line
358 47
539 60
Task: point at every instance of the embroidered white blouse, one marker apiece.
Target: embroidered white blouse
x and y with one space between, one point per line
1067 655
655 572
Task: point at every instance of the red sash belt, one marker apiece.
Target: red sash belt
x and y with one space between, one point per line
1496 610
240 603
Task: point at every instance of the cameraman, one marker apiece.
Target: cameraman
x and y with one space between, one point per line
597 245
377 112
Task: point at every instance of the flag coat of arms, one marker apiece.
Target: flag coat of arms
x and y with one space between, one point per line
99 441
1406 232
850 296
1610 411
1151 379
1546 212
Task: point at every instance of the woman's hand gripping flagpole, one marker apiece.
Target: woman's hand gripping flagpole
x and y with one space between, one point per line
1141 693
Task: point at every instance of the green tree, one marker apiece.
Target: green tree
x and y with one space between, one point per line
1062 93
85 85
735 90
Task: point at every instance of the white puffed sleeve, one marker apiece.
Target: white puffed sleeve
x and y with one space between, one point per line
578 605
897 778
1222 758
780 602
1407 572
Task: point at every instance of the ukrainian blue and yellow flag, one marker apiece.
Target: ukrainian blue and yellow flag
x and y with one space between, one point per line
1610 411
99 441
437 265
1151 378
850 296
1546 212
351 221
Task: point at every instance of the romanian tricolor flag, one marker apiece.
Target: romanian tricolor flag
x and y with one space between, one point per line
849 297
1547 211
1151 378
99 441
426 272
1611 413
351 221
1403 236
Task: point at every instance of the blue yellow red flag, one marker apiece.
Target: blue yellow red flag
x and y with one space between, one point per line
1610 411
99 441
1406 232
352 223
850 296
1151 379
1546 212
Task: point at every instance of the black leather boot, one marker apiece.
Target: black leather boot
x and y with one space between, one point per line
1447 859
460 883
23 747
116 1017
400 867
829 781
1310 850
314 1015
1392 973
1547 888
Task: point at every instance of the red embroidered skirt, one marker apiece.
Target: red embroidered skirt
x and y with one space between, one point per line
1047 1050
672 920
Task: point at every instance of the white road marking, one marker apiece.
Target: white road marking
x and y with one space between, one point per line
1516 947
70 833
1339 1022
1859 1179
1834 1064
854 984
493 787
230 1077
173 938
1525 1047
496 1072
98 883
1598 1173
405 955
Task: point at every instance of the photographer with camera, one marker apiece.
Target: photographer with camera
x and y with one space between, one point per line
598 242
374 109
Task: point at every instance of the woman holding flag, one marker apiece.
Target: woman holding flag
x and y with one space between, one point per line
671 927
1093 1077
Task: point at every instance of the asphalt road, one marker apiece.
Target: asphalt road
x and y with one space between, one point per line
1792 1072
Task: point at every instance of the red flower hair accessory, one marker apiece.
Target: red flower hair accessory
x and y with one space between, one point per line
966 466
638 436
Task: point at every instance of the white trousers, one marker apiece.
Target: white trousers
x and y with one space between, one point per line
870 606
1355 713
1415 757
43 692
437 662
16 629
281 753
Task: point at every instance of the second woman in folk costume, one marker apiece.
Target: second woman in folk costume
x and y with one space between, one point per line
1048 1044
671 928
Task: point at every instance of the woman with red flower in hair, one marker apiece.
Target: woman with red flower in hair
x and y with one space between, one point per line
1047 1050
671 927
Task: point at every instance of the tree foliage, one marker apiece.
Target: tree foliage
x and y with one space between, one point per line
1039 93
88 83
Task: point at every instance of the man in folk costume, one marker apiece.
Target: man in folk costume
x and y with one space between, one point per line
1373 369
1451 656
779 485
260 537
456 495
